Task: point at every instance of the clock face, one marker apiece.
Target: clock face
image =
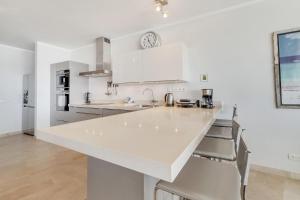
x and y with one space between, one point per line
150 40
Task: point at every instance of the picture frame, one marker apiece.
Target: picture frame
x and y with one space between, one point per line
287 68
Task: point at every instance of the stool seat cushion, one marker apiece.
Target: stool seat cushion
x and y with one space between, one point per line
223 122
220 132
203 179
216 148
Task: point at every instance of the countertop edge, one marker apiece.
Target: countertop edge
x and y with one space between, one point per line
188 152
157 169
148 167
108 106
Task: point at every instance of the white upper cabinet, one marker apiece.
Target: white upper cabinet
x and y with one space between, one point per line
127 68
166 63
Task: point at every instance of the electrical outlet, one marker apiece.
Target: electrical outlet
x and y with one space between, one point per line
294 157
171 90
203 77
179 89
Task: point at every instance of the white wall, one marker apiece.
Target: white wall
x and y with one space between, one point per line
235 49
14 63
45 55
87 54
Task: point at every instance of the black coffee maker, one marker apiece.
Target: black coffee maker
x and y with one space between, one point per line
207 98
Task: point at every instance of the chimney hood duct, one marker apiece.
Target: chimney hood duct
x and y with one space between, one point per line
103 60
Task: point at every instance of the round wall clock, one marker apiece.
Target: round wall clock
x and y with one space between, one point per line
150 40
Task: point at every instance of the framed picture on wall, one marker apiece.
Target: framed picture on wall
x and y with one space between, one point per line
287 68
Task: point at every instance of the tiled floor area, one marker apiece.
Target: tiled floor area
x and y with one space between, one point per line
270 187
34 170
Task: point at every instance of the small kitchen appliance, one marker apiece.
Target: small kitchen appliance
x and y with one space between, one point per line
207 98
186 103
62 79
62 90
169 99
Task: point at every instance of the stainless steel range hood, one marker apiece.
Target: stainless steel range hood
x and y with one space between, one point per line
103 60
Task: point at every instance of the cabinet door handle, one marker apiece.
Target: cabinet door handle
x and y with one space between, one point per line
88 113
26 106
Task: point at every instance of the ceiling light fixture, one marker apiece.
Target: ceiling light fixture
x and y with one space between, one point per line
158 8
161 6
165 14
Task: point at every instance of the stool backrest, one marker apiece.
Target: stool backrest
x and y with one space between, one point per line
235 131
243 165
234 113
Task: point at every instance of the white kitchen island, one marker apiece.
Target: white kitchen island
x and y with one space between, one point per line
129 153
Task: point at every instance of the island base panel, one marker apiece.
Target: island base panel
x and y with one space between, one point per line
107 181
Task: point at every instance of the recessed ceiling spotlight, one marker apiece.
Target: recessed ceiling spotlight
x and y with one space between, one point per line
165 14
158 8
161 6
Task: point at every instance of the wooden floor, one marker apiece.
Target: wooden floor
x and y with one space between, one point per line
34 170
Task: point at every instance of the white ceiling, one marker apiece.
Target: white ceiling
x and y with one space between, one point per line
73 23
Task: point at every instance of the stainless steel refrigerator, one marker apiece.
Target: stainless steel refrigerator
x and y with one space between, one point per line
28 104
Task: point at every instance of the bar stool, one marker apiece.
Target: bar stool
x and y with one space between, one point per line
227 122
203 179
221 149
220 132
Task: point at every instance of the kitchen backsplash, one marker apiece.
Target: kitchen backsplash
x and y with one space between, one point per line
180 90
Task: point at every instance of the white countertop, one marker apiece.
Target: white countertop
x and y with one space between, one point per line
156 142
113 106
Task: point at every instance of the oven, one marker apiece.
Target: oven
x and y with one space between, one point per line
62 101
63 79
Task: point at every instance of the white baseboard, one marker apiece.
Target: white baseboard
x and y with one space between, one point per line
278 172
10 133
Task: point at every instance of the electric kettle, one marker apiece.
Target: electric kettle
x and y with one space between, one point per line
169 99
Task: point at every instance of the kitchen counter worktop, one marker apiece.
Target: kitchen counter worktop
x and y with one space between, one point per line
116 105
113 106
156 142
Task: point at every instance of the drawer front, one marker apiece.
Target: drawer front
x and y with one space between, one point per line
87 110
60 122
81 114
109 112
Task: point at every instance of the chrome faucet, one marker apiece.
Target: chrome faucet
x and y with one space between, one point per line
153 101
